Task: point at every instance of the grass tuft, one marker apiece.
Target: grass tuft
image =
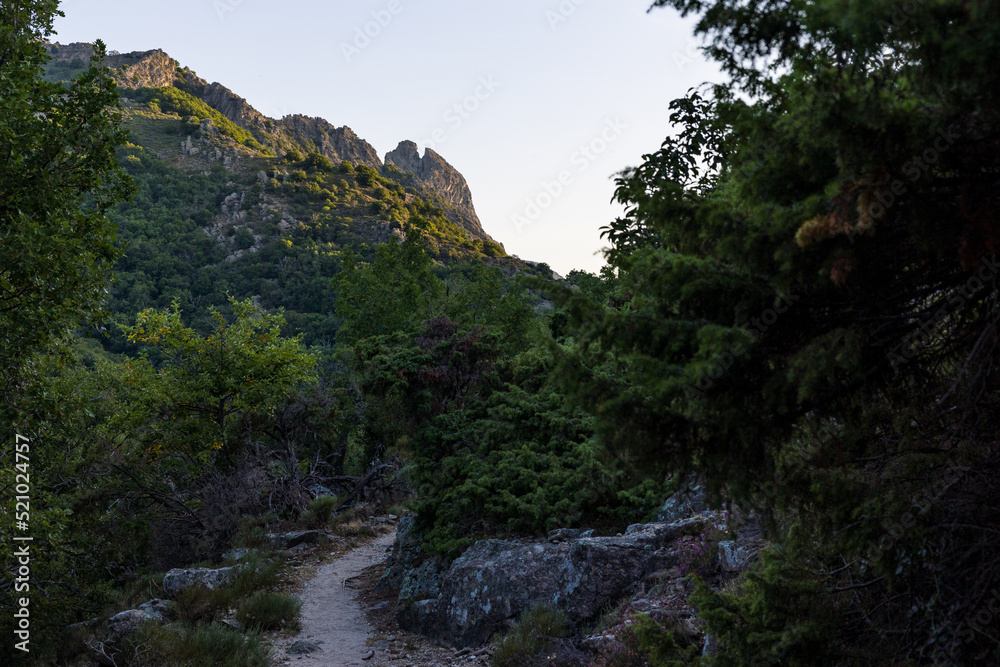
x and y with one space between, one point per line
267 610
532 634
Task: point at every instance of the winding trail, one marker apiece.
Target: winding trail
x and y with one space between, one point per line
330 614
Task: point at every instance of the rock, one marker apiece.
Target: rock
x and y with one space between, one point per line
304 646
421 583
234 624
434 173
563 534
494 580
177 580
121 624
732 557
238 554
317 490
688 501
369 655
406 555
295 538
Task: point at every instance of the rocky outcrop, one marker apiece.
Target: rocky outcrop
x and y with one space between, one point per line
156 69
146 69
119 625
689 500
232 106
177 580
494 581
336 143
434 173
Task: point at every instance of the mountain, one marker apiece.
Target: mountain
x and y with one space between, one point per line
145 70
229 202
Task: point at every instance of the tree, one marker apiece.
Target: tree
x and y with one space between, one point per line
812 308
391 294
212 383
59 177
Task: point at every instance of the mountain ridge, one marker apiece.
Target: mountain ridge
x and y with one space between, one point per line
156 69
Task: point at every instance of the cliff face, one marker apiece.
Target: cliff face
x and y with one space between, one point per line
336 143
434 173
156 69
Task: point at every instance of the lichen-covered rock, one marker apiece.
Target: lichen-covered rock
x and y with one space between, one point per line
177 580
494 580
687 502
119 625
295 538
406 555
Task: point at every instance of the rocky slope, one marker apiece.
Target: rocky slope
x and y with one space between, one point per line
156 69
434 173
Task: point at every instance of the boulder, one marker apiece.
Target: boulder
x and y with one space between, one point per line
687 502
121 624
406 555
295 538
177 580
494 581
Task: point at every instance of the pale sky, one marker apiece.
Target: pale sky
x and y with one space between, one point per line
538 103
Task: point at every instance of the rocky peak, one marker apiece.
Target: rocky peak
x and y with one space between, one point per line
435 173
336 143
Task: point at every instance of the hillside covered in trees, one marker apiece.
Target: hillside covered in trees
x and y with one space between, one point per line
217 326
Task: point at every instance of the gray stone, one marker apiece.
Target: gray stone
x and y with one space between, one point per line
121 624
494 581
304 646
295 538
406 555
688 501
563 534
177 580
735 556
237 554
421 583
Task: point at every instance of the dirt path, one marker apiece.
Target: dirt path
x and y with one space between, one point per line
331 616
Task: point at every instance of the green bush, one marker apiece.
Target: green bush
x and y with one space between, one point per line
198 604
529 636
320 510
256 573
185 105
200 646
244 238
267 610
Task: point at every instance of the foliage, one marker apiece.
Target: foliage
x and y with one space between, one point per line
199 646
391 294
810 282
58 181
211 381
176 101
267 610
530 635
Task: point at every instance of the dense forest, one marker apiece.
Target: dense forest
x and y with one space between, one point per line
800 305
